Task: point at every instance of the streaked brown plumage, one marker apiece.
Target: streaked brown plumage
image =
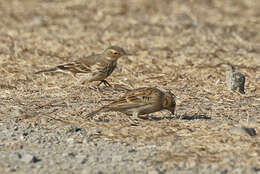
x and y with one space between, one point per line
235 81
141 101
95 67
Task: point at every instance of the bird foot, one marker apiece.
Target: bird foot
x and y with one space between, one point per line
134 121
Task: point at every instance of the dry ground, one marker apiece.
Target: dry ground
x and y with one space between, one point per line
174 45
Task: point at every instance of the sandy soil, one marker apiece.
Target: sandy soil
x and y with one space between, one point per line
174 45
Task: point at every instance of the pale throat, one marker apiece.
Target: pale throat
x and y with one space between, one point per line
113 59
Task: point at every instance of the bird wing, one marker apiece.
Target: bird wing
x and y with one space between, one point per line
136 98
239 78
82 65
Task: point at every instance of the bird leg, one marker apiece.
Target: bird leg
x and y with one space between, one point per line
105 83
134 120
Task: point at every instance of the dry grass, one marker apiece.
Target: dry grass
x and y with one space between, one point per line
175 45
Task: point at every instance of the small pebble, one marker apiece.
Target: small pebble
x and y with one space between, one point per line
28 158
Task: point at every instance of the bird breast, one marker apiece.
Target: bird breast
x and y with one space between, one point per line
141 110
110 67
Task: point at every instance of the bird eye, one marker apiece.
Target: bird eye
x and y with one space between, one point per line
115 53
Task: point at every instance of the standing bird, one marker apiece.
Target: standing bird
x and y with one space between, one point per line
141 101
96 67
235 81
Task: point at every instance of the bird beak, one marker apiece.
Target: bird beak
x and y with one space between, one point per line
125 56
128 54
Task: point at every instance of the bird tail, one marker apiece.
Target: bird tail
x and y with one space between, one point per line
48 70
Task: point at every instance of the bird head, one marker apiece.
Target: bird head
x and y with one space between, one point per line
114 52
169 102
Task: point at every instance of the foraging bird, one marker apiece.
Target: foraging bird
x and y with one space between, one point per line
141 101
235 81
96 67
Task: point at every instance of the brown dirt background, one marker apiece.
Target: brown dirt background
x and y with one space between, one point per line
174 45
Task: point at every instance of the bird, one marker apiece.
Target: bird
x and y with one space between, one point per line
235 81
141 101
95 67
